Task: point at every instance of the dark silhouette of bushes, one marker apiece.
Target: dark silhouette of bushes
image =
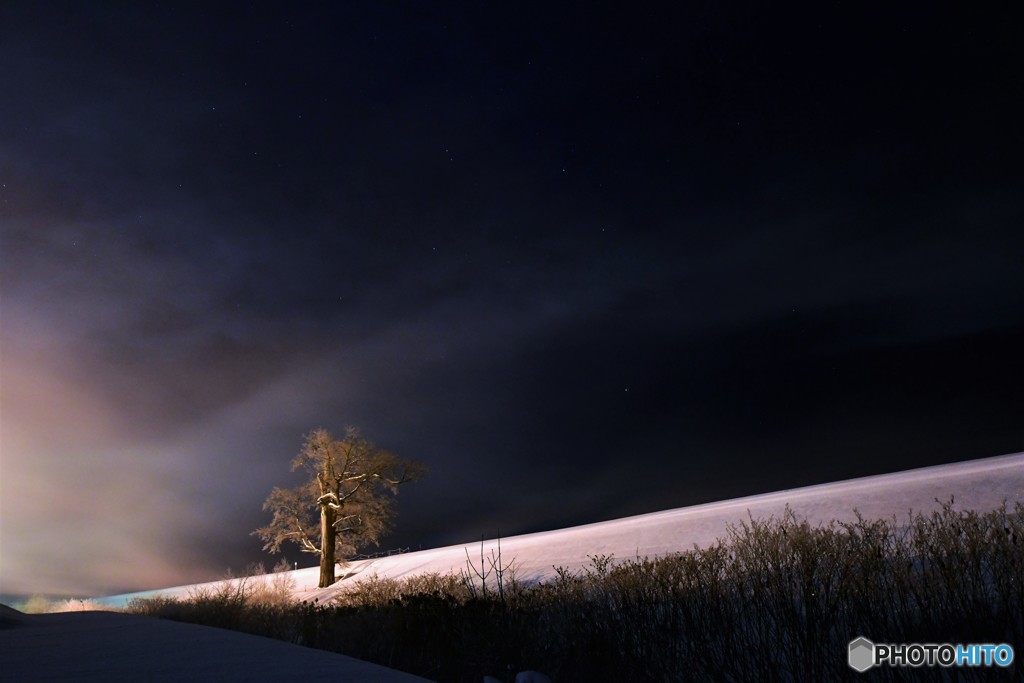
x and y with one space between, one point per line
774 600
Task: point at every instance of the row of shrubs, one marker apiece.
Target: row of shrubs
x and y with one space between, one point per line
41 604
774 600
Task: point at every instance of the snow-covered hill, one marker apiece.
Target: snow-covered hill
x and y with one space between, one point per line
976 484
101 647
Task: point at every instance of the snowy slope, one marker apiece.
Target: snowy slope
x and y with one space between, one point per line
976 484
103 647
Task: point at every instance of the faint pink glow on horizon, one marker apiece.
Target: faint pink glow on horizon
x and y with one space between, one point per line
78 512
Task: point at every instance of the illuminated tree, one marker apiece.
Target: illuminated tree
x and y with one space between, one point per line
347 503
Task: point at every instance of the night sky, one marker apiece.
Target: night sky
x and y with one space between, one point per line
584 261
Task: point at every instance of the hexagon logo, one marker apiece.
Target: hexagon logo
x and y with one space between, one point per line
862 654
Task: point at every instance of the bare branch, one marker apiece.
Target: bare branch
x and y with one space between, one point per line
348 498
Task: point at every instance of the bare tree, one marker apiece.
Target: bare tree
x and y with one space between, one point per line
347 503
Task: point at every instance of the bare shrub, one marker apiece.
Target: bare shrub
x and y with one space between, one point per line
274 589
776 599
77 605
36 604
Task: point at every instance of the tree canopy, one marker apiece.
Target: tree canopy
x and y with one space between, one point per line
347 503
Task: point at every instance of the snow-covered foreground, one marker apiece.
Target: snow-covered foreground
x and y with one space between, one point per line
98 646
106 646
977 484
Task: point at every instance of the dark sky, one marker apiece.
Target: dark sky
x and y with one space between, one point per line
584 261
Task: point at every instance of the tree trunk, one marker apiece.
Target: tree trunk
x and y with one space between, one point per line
327 533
